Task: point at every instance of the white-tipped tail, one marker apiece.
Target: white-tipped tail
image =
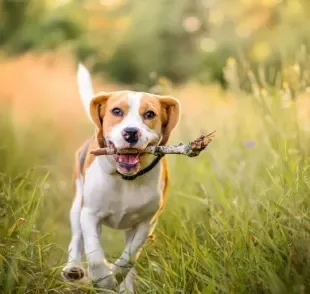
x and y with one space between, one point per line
85 87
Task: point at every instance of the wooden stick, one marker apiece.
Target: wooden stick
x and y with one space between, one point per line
191 149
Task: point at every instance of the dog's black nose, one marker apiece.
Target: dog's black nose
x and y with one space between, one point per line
131 135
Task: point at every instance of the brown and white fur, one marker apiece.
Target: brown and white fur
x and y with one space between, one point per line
102 196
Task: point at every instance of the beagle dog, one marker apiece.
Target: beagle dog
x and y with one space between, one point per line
125 192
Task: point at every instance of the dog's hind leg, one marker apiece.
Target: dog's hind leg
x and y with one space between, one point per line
128 285
74 269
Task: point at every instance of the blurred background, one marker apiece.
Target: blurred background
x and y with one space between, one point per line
149 45
240 67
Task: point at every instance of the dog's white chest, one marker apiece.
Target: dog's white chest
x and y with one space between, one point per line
119 203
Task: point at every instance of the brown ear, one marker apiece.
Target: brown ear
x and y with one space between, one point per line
171 111
97 105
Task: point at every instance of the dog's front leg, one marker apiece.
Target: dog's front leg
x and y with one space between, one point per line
135 238
128 285
99 270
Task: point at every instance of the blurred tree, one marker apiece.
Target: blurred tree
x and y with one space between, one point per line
15 15
31 24
106 21
161 39
138 41
258 33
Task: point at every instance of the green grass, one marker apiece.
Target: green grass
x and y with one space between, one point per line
237 219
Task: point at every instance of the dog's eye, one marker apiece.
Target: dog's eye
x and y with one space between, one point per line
149 114
117 112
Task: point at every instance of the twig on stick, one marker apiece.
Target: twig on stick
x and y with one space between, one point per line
191 149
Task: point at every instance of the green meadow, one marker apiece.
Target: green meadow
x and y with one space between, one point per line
236 220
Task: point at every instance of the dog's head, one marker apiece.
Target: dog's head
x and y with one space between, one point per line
128 119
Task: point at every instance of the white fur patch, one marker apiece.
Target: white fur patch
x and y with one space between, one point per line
120 204
76 244
134 102
85 87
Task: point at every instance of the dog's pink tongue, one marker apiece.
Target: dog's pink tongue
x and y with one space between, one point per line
129 158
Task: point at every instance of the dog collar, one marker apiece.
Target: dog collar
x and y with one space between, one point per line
143 171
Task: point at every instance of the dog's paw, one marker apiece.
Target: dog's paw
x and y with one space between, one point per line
128 285
121 271
73 272
101 276
123 290
105 283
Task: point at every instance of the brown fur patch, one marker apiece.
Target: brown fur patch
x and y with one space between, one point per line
119 100
167 110
165 181
89 157
171 109
163 186
81 166
151 103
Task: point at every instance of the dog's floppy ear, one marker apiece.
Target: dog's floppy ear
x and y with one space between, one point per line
171 115
96 110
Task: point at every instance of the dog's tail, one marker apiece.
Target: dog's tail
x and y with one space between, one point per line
85 87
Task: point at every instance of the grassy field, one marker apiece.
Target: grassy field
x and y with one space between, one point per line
237 218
